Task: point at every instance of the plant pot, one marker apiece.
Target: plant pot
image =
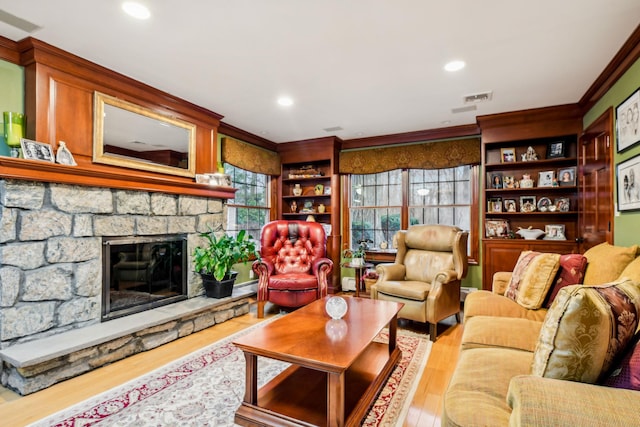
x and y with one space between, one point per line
218 289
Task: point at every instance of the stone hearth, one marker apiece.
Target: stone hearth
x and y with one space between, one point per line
50 255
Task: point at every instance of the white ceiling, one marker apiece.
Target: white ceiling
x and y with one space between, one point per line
371 67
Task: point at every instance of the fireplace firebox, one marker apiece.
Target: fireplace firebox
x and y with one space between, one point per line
140 273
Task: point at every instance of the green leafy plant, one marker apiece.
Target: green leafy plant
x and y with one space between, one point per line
359 252
221 253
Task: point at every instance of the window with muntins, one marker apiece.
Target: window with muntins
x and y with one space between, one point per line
382 203
249 209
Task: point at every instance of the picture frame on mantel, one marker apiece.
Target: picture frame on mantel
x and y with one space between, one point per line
628 122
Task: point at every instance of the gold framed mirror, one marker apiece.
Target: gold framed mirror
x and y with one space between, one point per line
132 136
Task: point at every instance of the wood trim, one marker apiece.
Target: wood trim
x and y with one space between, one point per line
9 50
628 54
96 176
417 136
531 124
229 130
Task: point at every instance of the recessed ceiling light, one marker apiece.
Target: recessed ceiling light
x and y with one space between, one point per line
135 9
285 101
454 65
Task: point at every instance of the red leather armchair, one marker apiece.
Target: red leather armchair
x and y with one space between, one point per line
293 268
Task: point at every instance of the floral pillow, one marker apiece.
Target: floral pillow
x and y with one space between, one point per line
585 330
532 277
571 272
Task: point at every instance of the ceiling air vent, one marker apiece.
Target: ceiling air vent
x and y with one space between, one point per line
478 97
333 129
464 109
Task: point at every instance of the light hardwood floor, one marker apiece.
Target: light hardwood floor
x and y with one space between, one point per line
425 410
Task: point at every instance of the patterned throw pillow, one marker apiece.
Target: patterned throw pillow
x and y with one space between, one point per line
626 374
606 262
571 272
532 277
585 329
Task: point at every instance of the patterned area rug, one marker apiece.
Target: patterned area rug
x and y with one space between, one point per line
206 387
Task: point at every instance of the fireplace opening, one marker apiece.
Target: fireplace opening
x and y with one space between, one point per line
140 273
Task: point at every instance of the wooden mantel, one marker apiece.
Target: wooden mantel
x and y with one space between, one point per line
59 104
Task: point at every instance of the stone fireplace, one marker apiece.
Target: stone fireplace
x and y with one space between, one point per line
51 276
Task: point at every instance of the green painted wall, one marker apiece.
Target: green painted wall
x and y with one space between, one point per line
625 225
12 95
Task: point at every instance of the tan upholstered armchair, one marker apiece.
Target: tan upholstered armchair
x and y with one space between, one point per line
430 263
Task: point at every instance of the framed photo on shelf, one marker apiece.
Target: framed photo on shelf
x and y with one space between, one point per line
327 190
554 232
494 204
507 155
628 188
34 150
567 177
527 203
510 205
628 121
555 150
496 181
545 179
498 228
508 182
562 204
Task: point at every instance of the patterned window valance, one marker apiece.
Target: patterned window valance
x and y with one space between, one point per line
427 155
249 157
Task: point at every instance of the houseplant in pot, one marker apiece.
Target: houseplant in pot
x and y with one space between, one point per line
214 261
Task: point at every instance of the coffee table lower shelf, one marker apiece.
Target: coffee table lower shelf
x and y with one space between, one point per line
298 396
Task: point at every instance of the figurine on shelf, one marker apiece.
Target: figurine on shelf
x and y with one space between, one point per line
530 155
294 207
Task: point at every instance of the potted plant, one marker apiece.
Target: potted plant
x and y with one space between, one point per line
357 255
214 261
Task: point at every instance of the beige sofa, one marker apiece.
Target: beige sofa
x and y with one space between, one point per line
493 383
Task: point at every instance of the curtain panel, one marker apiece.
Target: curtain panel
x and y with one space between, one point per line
427 155
249 157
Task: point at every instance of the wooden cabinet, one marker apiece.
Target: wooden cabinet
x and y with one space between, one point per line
312 167
502 254
530 170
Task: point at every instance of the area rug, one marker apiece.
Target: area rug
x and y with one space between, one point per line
206 387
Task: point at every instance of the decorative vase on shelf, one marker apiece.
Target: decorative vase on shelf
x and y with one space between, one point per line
526 181
297 190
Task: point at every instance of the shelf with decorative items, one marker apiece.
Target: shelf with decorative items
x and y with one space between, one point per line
306 192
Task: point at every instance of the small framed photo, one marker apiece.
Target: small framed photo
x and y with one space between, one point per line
508 155
496 181
327 190
562 204
510 205
554 232
628 189
555 150
628 122
508 182
64 156
34 150
494 204
567 177
545 179
527 203
497 228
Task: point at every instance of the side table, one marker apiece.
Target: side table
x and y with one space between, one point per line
359 269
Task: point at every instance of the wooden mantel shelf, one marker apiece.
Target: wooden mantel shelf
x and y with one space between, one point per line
99 176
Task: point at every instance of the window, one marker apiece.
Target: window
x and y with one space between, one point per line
249 209
383 203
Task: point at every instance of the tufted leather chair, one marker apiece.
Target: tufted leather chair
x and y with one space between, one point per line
426 274
293 268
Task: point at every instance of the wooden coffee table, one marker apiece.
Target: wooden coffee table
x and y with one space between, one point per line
336 369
